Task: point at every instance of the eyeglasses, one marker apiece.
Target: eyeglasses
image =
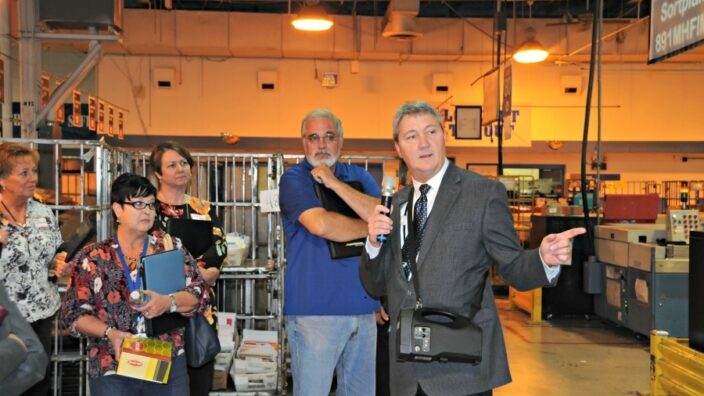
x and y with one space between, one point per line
329 137
140 205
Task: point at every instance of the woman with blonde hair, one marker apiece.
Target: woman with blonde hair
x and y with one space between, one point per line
30 239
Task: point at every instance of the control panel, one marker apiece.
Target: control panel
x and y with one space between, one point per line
680 222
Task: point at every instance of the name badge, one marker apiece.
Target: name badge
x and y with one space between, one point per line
198 216
40 222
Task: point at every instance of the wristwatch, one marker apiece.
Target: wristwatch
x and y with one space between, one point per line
107 331
173 307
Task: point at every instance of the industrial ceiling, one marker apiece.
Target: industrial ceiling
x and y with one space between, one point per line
564 11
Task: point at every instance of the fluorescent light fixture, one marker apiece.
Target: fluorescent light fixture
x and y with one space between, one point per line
531 51
312 19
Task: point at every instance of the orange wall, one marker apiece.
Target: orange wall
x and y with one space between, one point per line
210 96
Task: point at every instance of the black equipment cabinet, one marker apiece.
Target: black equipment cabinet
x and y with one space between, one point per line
567 298
696 290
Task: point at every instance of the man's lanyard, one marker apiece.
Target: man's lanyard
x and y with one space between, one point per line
135 284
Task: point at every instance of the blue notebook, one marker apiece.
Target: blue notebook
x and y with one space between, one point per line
163 273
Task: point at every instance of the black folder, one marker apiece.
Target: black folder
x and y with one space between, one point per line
163 273
79 238
332 202
196 235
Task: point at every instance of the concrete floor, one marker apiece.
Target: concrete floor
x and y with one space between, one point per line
572 357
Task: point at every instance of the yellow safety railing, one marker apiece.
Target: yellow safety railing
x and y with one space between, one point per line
675 368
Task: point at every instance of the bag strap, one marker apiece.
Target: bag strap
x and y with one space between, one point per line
475 304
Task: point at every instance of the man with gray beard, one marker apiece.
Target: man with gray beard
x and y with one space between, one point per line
329 317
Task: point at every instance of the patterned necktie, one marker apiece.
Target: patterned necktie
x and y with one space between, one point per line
420 214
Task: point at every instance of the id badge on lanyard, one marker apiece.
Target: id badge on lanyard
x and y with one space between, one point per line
133 281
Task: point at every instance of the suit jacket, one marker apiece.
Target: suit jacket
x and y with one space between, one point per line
469 229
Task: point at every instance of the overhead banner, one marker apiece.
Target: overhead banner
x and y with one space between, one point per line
508 91
76 117
45 90
101 116
111 121
92 104
60 112
675 27
120 125
490 110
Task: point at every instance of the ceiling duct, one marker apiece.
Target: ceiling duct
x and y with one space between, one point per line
400 20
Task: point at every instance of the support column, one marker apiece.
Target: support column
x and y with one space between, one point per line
30 64
5 49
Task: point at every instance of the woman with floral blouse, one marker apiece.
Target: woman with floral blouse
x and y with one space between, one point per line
172 167
29 238
104 274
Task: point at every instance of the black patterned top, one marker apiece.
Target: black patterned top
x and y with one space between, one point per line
196 209
98 288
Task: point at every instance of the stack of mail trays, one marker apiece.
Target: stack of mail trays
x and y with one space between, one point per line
255 366
227 334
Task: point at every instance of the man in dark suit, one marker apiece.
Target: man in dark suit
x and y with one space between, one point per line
468 229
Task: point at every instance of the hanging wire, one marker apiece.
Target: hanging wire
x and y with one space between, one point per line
599 159
596 21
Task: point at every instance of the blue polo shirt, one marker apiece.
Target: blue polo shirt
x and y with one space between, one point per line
315 283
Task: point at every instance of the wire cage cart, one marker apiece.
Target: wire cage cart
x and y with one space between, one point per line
679 193
521 200
609 187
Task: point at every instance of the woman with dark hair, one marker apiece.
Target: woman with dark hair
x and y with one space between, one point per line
29 239
172 165
104 274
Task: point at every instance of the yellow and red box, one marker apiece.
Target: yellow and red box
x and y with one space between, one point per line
146 359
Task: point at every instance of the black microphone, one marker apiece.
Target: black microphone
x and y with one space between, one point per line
388 185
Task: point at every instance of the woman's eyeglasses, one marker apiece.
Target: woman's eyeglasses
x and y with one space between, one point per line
139 205
315 139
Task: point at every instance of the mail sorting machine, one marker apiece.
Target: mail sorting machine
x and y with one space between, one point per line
243 188
74 180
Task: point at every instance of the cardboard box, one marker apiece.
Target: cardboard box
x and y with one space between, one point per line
672 265
612 240
612 252
677 251
643 255
146 359
223 361
643 233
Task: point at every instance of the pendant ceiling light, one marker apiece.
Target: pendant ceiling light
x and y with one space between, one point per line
531 51
312 18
